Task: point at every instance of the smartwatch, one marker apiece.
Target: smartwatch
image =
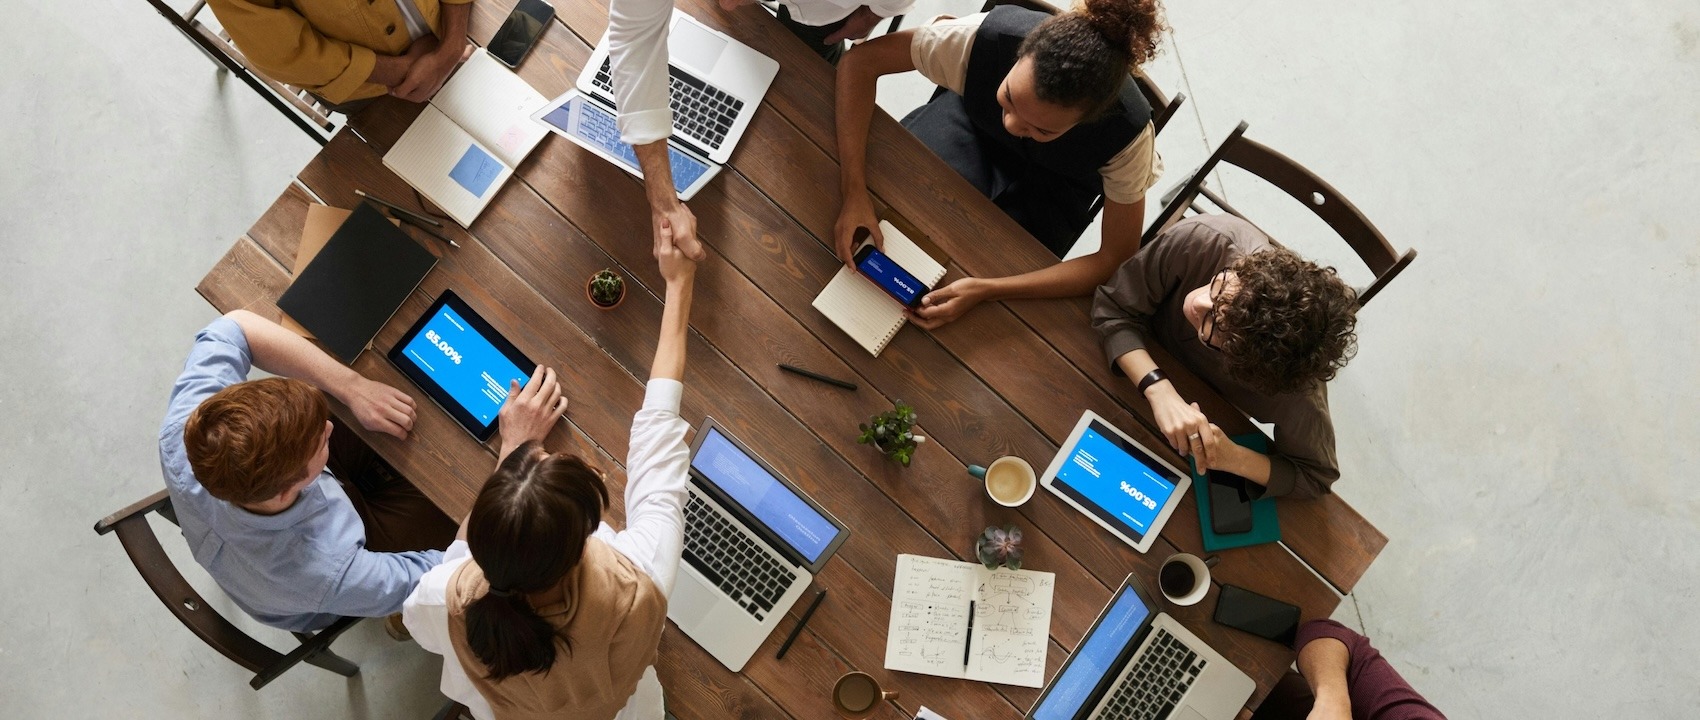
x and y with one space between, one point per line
1151 378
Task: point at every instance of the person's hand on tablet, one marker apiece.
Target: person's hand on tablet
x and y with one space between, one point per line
379 407
531 411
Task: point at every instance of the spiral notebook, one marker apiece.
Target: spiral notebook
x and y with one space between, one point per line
864 311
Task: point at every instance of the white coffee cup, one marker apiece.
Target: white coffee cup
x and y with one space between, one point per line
1185 565
1009 480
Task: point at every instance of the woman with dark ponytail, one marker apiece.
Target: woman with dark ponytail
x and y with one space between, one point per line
541 609
1037 111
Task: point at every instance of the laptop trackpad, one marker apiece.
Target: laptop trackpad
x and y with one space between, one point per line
689 44
691 603
1187 713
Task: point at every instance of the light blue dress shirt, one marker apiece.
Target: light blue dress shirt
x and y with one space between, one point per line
299 569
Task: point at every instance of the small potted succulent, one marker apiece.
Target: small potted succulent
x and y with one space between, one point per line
606 289
893 432
999 547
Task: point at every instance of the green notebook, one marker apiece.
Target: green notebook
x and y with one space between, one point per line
1265 526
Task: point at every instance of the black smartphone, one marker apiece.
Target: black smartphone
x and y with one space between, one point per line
1260 615
1230 504
520 31
891 277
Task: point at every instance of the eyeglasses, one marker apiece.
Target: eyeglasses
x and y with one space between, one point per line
1218 284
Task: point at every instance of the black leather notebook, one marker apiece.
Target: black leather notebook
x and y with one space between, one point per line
353 286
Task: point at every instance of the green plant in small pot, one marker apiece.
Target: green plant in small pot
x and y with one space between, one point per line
893 432
999 547
606 289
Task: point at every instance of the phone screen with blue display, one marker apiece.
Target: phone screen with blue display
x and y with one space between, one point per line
891 277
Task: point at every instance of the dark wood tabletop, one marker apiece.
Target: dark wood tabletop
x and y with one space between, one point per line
1008 378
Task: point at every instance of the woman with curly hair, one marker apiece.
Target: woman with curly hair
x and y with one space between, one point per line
1266 328
1039 113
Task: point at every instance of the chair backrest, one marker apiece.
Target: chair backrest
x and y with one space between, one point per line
142 545
1163 107
1302 185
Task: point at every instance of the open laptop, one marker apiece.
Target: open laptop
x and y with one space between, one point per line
1136 664
753 543
715 86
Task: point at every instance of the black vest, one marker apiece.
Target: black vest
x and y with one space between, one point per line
1079 154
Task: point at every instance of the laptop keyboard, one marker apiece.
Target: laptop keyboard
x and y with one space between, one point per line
1158 681
700 111
730 559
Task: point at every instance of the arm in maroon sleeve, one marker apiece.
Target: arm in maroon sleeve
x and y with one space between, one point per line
1375 689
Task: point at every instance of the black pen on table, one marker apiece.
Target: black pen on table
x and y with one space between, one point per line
817 376
798 629
399 209
969 642
428 231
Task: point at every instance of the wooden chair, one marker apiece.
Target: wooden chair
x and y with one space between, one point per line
142 545
300 106
1305 187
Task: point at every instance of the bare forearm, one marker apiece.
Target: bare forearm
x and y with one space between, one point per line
675 325
1071 278
281 352
1324 662
853 114
390 70
657 175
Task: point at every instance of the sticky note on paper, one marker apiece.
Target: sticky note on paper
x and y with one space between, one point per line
476 170
511 139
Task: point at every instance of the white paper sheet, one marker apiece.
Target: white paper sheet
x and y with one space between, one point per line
929 621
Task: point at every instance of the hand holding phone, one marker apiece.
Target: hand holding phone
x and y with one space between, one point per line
900 284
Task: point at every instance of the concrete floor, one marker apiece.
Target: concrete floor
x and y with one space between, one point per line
1516 422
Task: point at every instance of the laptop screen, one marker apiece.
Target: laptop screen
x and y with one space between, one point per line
772 502
1094 658
1118 481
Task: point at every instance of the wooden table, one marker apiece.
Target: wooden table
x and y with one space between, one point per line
1006 379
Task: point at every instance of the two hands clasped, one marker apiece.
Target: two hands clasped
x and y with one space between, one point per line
1189 432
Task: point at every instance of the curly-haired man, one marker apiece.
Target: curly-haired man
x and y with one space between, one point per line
1266 328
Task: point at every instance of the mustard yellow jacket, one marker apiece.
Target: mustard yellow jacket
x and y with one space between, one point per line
324 46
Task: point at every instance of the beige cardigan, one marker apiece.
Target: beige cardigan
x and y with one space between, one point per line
614 614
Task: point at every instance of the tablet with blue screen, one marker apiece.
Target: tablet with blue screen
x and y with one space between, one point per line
462 363
591 125
1117 482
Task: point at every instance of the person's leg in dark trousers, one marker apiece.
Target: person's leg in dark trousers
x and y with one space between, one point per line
1290 699
1053 210
815 37
397 516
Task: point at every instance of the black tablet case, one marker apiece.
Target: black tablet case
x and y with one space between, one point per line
353 286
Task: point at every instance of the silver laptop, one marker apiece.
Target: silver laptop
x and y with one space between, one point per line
716 84
1135 664
753 543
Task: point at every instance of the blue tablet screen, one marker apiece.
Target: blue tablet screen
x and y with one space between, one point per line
464 364
1118 481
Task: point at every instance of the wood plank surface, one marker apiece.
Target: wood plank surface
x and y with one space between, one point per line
567 214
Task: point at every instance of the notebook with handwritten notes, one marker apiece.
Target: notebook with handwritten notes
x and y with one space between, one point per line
470 138
930 632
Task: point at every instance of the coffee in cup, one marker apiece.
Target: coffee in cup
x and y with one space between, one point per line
857 695
1009 480
1184 578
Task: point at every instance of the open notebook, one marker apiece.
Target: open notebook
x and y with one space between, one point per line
864 311
930 631
470 138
